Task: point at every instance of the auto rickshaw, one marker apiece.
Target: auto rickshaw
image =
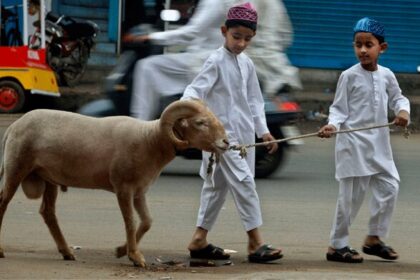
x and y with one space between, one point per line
23 71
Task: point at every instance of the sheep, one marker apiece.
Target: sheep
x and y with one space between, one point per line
47 149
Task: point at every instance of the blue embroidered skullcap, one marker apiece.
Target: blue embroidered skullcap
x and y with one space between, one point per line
369 25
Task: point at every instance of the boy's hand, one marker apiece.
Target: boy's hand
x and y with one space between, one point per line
402 118
326 131
272 147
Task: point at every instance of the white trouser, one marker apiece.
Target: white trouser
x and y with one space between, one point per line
157 76
351 194
244 194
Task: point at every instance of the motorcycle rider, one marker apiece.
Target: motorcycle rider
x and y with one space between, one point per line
267 51
169 74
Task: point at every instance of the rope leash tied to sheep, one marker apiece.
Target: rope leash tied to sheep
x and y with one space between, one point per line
243 152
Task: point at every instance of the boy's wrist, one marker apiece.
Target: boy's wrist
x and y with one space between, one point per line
403 114
333 125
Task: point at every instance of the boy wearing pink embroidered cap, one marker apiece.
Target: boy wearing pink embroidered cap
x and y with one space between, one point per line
228 84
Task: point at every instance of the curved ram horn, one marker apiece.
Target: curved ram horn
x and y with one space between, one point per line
175 111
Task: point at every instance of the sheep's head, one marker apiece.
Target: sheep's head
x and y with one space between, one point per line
190 124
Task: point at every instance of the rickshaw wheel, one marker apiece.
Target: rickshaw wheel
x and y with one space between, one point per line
12 97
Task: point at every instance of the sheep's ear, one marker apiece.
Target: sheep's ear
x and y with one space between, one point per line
183 123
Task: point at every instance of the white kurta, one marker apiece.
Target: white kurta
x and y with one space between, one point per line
268 47
362 99
229 85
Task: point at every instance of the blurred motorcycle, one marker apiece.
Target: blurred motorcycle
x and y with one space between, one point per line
69 42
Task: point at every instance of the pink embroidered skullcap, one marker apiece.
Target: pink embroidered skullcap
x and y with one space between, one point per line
244 12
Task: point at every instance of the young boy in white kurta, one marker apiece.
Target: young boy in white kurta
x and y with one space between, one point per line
228 84
364 158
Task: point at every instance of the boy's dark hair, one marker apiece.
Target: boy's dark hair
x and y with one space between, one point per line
237 22
381 39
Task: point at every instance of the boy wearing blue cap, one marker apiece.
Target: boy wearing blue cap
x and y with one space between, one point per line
364 158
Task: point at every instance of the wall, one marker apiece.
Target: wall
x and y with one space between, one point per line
323 32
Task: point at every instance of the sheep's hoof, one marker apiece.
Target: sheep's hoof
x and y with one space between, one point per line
67 256
137 259
121 251
1 254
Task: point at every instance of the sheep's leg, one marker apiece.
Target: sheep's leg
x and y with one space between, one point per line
6 195
145 222
47 211
125 200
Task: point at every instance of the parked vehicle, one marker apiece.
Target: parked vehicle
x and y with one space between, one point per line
69 42
281 111
24 71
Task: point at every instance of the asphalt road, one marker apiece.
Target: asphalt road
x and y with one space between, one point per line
298 204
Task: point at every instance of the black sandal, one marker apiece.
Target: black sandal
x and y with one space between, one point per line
380 250
210 252
346 255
